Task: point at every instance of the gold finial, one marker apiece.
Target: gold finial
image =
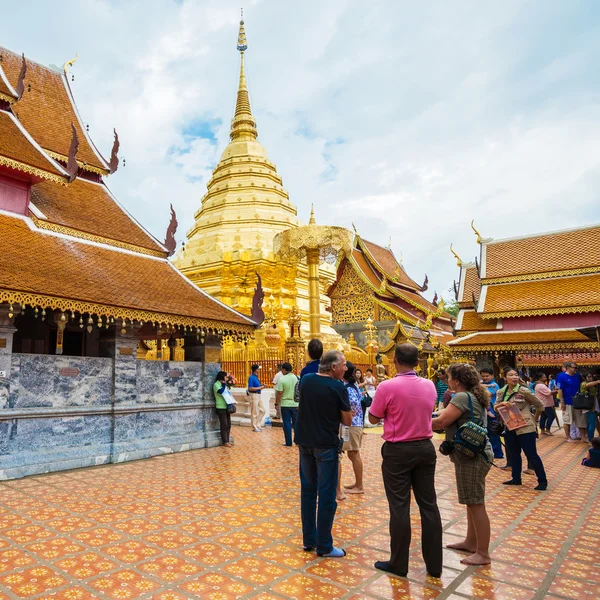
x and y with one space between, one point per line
354 227
389 246
70 63
476 232
243 126
458 260
312 215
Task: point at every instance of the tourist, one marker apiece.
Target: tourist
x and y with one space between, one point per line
315 352
284 397
546 395
523 438
323 407
276 378
219 388
470 472
257 410
568 383
551 383
488 382
589 386
352 447
370 383
405 403
441 386
360 380
592 458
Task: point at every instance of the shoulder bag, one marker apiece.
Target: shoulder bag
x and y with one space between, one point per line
471 438
583 401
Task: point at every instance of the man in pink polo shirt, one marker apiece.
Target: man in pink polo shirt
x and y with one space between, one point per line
405 403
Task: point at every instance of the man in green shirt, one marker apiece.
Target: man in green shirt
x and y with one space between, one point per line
284 396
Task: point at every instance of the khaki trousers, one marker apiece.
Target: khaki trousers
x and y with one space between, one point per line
257 411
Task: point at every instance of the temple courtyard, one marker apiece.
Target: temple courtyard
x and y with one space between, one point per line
224 523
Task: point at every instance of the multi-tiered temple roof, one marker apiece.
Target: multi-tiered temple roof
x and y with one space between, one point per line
537 294
66 242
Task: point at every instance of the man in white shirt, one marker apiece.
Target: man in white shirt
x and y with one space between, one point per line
276 379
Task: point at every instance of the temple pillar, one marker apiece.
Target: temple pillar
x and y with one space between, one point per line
314 292
7 331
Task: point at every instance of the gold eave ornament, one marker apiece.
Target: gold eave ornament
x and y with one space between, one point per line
116 312
24 168
565 310
83 165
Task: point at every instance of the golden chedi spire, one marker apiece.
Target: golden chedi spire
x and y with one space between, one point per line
243 126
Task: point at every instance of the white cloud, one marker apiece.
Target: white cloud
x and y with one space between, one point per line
408 119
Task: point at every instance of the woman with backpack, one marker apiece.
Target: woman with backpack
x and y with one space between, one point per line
469 403
524 438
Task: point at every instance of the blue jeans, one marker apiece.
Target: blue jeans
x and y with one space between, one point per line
318 478
495 441
547 418
289 415
526 442
591 424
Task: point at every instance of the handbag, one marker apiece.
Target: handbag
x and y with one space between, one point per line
366 401
470 438
583 401
231 408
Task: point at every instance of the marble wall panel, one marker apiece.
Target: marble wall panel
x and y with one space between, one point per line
156 386
36 381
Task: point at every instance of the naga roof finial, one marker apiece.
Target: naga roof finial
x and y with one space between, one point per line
312 220
458 259
479 238
70 63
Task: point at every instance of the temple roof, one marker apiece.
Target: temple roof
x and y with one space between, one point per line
553 254
576 294
19 151
90 208
7 92
523 340
47 110
62 272
470 321
384 260
470 284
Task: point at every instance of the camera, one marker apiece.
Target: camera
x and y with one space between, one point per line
446 448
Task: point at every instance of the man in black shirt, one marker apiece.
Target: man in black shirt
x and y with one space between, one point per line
323 407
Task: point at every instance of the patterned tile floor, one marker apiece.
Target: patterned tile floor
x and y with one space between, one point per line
223 523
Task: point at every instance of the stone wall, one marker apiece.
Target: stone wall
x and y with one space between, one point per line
59 412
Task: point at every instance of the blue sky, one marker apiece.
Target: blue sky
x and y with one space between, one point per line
409 119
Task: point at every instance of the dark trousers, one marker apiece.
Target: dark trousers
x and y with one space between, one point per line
224 424
591 424
289 415
495 441
527 443
318 479
547 418
509 455
409 465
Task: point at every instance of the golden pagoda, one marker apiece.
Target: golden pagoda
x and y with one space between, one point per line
244 207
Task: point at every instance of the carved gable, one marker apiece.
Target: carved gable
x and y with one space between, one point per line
351 301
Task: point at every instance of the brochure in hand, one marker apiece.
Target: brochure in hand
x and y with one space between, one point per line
511 415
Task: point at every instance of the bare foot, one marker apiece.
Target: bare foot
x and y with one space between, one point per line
340 497
476 559
350 487
462 547
355 490
570 441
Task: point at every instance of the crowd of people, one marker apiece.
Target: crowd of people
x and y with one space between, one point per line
325 409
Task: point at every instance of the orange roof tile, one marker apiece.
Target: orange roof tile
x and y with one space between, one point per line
5 88
55 266
46 110
471 321
386 261
22 152
543 297
523 337
365 268
560 251
472 285
89 207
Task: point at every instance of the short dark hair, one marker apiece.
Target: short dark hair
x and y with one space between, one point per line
441 371
221 376
287 367
369 371
254 367
507 370
350 373
315 349
486 370
407 354
539 375
595 442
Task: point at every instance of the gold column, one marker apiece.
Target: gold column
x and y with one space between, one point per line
314 295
